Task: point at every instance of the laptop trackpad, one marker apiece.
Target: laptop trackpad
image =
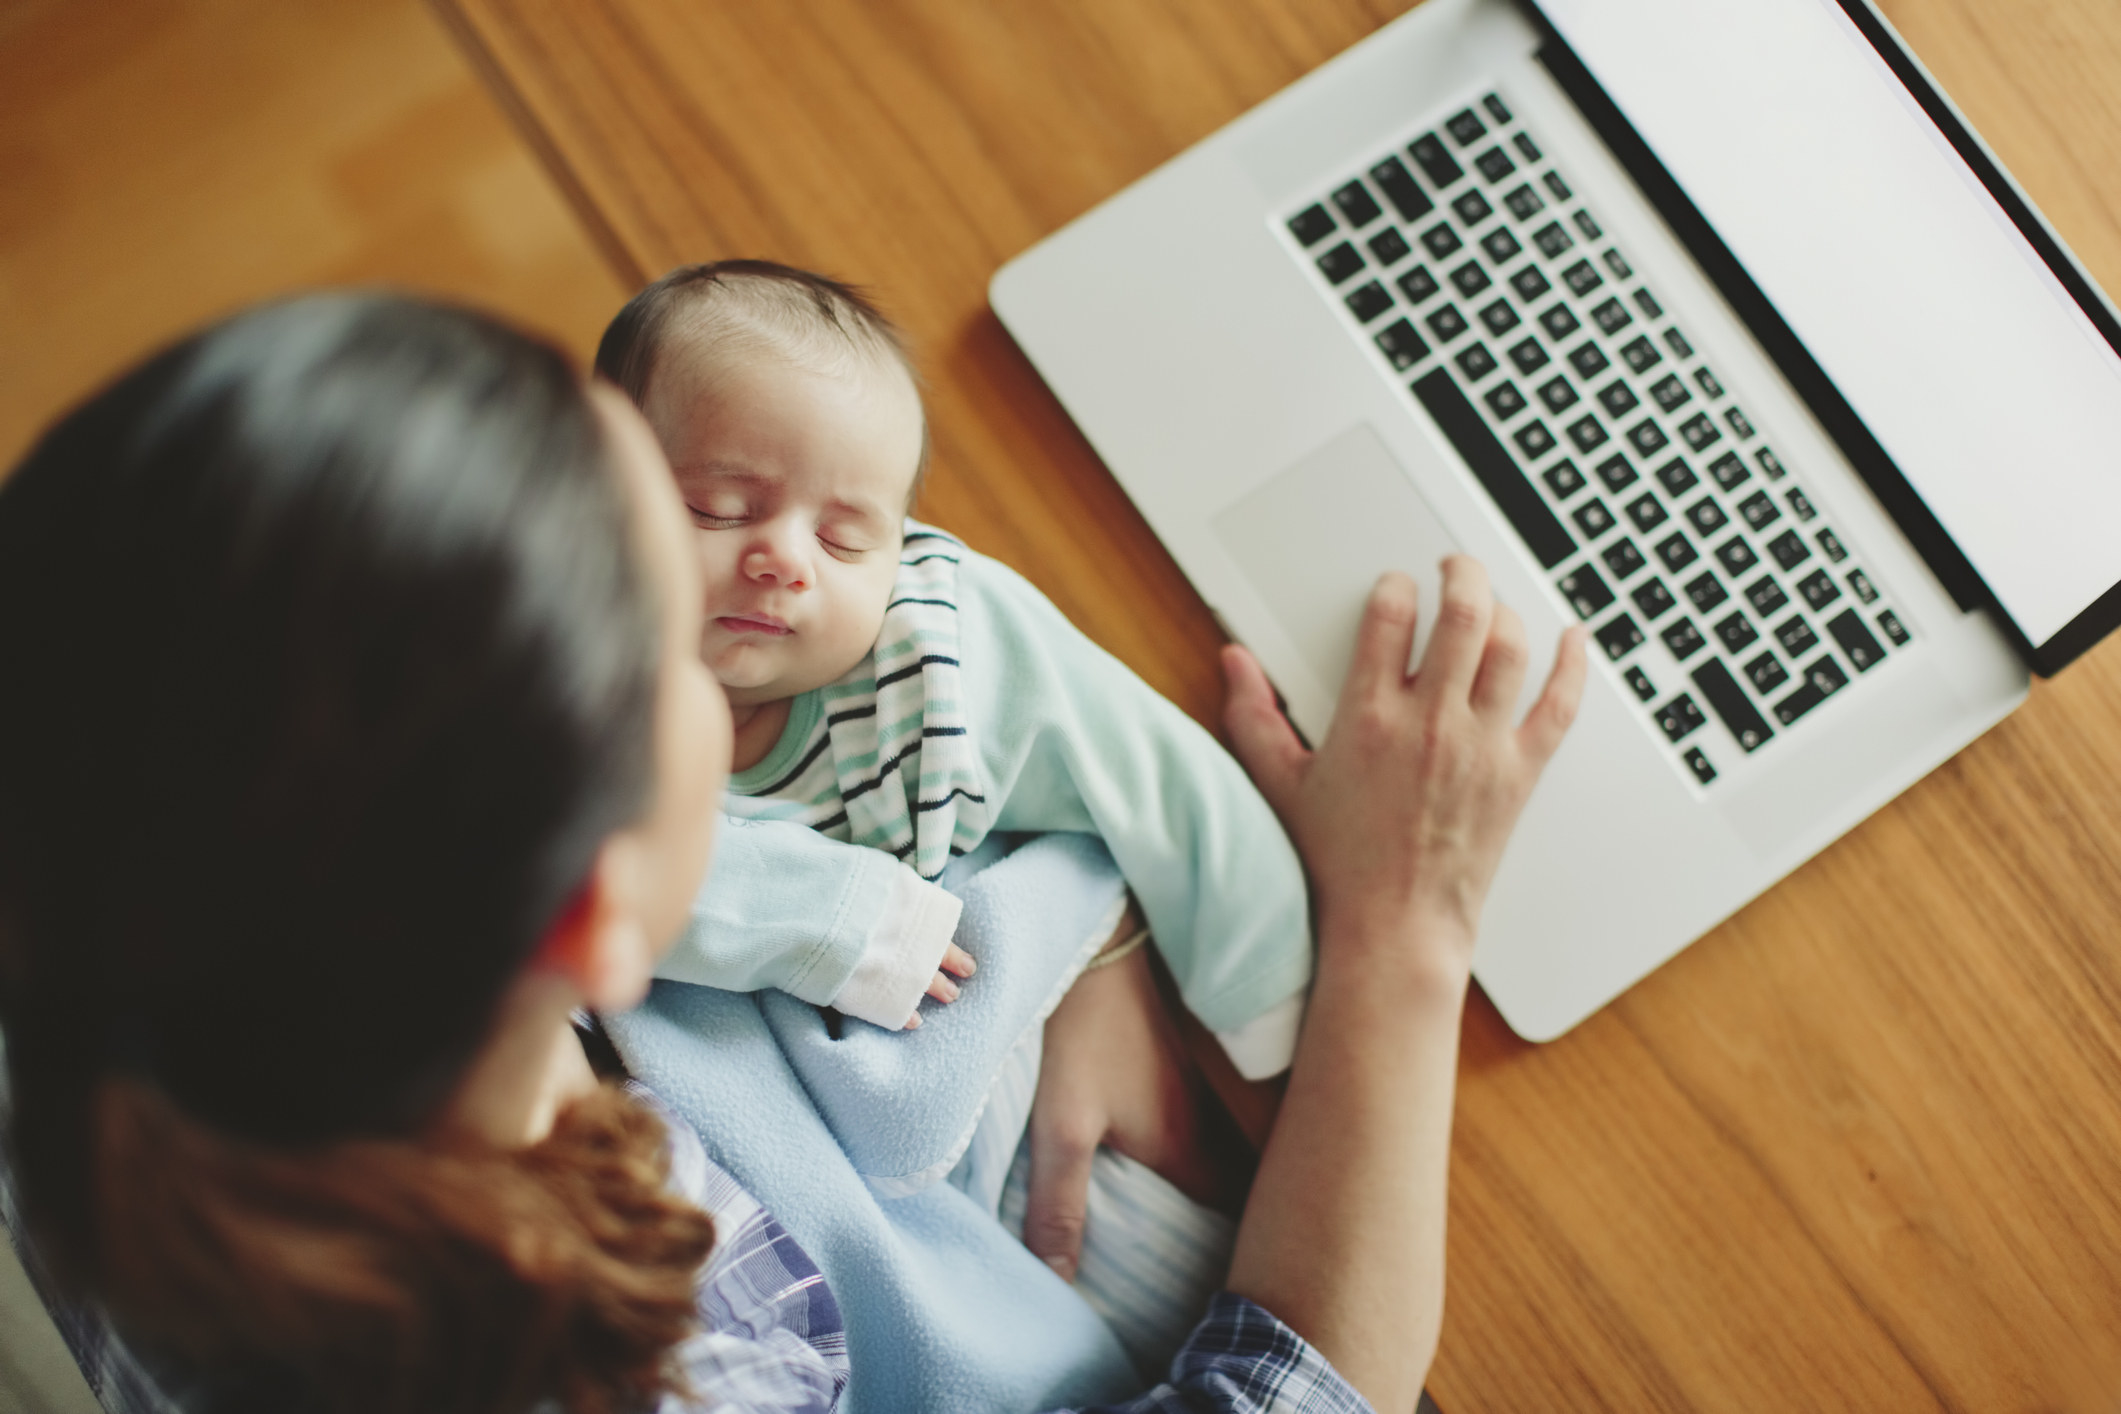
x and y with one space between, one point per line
1314 537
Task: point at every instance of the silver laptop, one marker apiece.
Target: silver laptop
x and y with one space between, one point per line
1705 322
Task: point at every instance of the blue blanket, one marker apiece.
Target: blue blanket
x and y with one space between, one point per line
847 1140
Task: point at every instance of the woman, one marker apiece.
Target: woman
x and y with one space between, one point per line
355 737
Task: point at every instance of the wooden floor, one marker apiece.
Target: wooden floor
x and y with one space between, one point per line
164 161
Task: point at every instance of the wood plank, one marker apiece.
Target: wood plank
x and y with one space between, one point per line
1861 1147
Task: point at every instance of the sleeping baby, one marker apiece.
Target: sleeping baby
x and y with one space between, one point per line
898 696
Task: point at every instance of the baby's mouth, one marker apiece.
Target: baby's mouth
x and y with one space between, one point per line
764 624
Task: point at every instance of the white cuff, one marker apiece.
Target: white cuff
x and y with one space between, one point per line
905 949
1265 1045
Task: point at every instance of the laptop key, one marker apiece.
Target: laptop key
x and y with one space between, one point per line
1680 718
1818 589
1618 399
1521 504
1653 599
1529 283
1800 504
1589 361
1769 464
1740 427
1676 477
1551 239
1557 394
1418 284
1524 203
1559 322
1501 246
1441 241
1582 277
1855 639
1699 431
1400 188
1612 316
1706 517
1585 224
1366 302
1705 592
1765 595
1788 548
1796 637
1766 673
1466 128
1639 683
1698 762
1759 510
1593 519
1618 264
1469 279
1647 438
1710 388
1622 558
1647 512
1586 433
1615 472
1340 262
1676 342
1475 362
1504 401
1736 556
1586 592
1388 247
1735 631
1499 317
1557 186
1888 621
1357 205
1639 354
1563 479
1677 552
1728 470
1683 639
1821 680
1731 704
1830 546
1312 224
1472 208
1533 439
1647 303
1494 164
1669 392
1494 104
1435 160
1446 324
1860 585
1619 637
1528 355
1526 148
1402 345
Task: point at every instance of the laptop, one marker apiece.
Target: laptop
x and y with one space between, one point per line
1708 323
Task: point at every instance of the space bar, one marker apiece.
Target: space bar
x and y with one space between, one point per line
1495 468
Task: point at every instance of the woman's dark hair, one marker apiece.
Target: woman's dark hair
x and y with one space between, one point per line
330 666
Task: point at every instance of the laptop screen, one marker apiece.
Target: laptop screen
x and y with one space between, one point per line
1994 386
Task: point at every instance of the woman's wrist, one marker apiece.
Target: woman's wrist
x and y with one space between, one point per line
1416 954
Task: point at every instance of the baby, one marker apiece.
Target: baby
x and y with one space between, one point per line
898 696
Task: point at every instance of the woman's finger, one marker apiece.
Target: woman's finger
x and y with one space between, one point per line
1260 736
1502 667
1384 640
1057 1204
1549 719
1461 634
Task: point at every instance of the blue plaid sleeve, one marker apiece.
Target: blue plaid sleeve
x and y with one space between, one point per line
1241 1360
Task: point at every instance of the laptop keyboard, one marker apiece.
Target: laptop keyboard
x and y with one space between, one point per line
1713 585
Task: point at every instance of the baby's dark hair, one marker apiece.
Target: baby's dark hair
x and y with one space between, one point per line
753 307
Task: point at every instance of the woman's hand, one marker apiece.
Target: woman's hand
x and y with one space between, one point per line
1403 813
1116 1072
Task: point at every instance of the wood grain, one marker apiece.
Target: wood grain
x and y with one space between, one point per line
1860 1148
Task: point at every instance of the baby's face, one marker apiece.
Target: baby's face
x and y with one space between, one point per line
797 485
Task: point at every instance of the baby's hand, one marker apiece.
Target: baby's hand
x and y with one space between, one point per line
957 963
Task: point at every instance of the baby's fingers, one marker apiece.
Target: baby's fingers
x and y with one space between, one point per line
943 989
957 962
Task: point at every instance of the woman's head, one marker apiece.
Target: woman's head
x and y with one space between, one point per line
351 682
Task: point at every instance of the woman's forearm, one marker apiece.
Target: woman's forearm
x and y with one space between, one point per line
1343 1236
